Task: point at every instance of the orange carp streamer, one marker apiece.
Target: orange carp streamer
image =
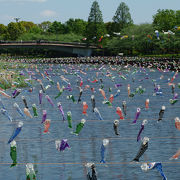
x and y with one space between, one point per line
27 113
119 112
103 93
147 104
172 79
176 156
85 107
129 90
47 125
111 98
58 86
177 123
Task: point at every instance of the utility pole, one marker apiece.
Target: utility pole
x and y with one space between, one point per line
17 19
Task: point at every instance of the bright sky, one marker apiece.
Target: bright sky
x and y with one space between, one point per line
61 10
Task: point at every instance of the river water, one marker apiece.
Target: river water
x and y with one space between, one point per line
33 146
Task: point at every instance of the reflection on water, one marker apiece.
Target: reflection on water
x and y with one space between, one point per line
33 146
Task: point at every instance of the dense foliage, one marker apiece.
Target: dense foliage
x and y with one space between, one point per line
95 27
118 36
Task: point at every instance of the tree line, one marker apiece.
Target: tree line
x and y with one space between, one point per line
120 35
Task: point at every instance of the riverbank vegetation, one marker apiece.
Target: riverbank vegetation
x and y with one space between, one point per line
12 76
120 35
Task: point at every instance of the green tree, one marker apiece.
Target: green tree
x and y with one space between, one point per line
95 27
21 28
14 30
122 17
27 25
164 19
56 28
95 13
3 31
76 26
177 44
45 25
137 41
36 30
178 17
110 27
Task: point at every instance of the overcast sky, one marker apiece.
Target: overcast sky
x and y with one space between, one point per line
61 10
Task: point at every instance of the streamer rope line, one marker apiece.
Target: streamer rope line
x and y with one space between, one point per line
95 120
92 138
71 163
